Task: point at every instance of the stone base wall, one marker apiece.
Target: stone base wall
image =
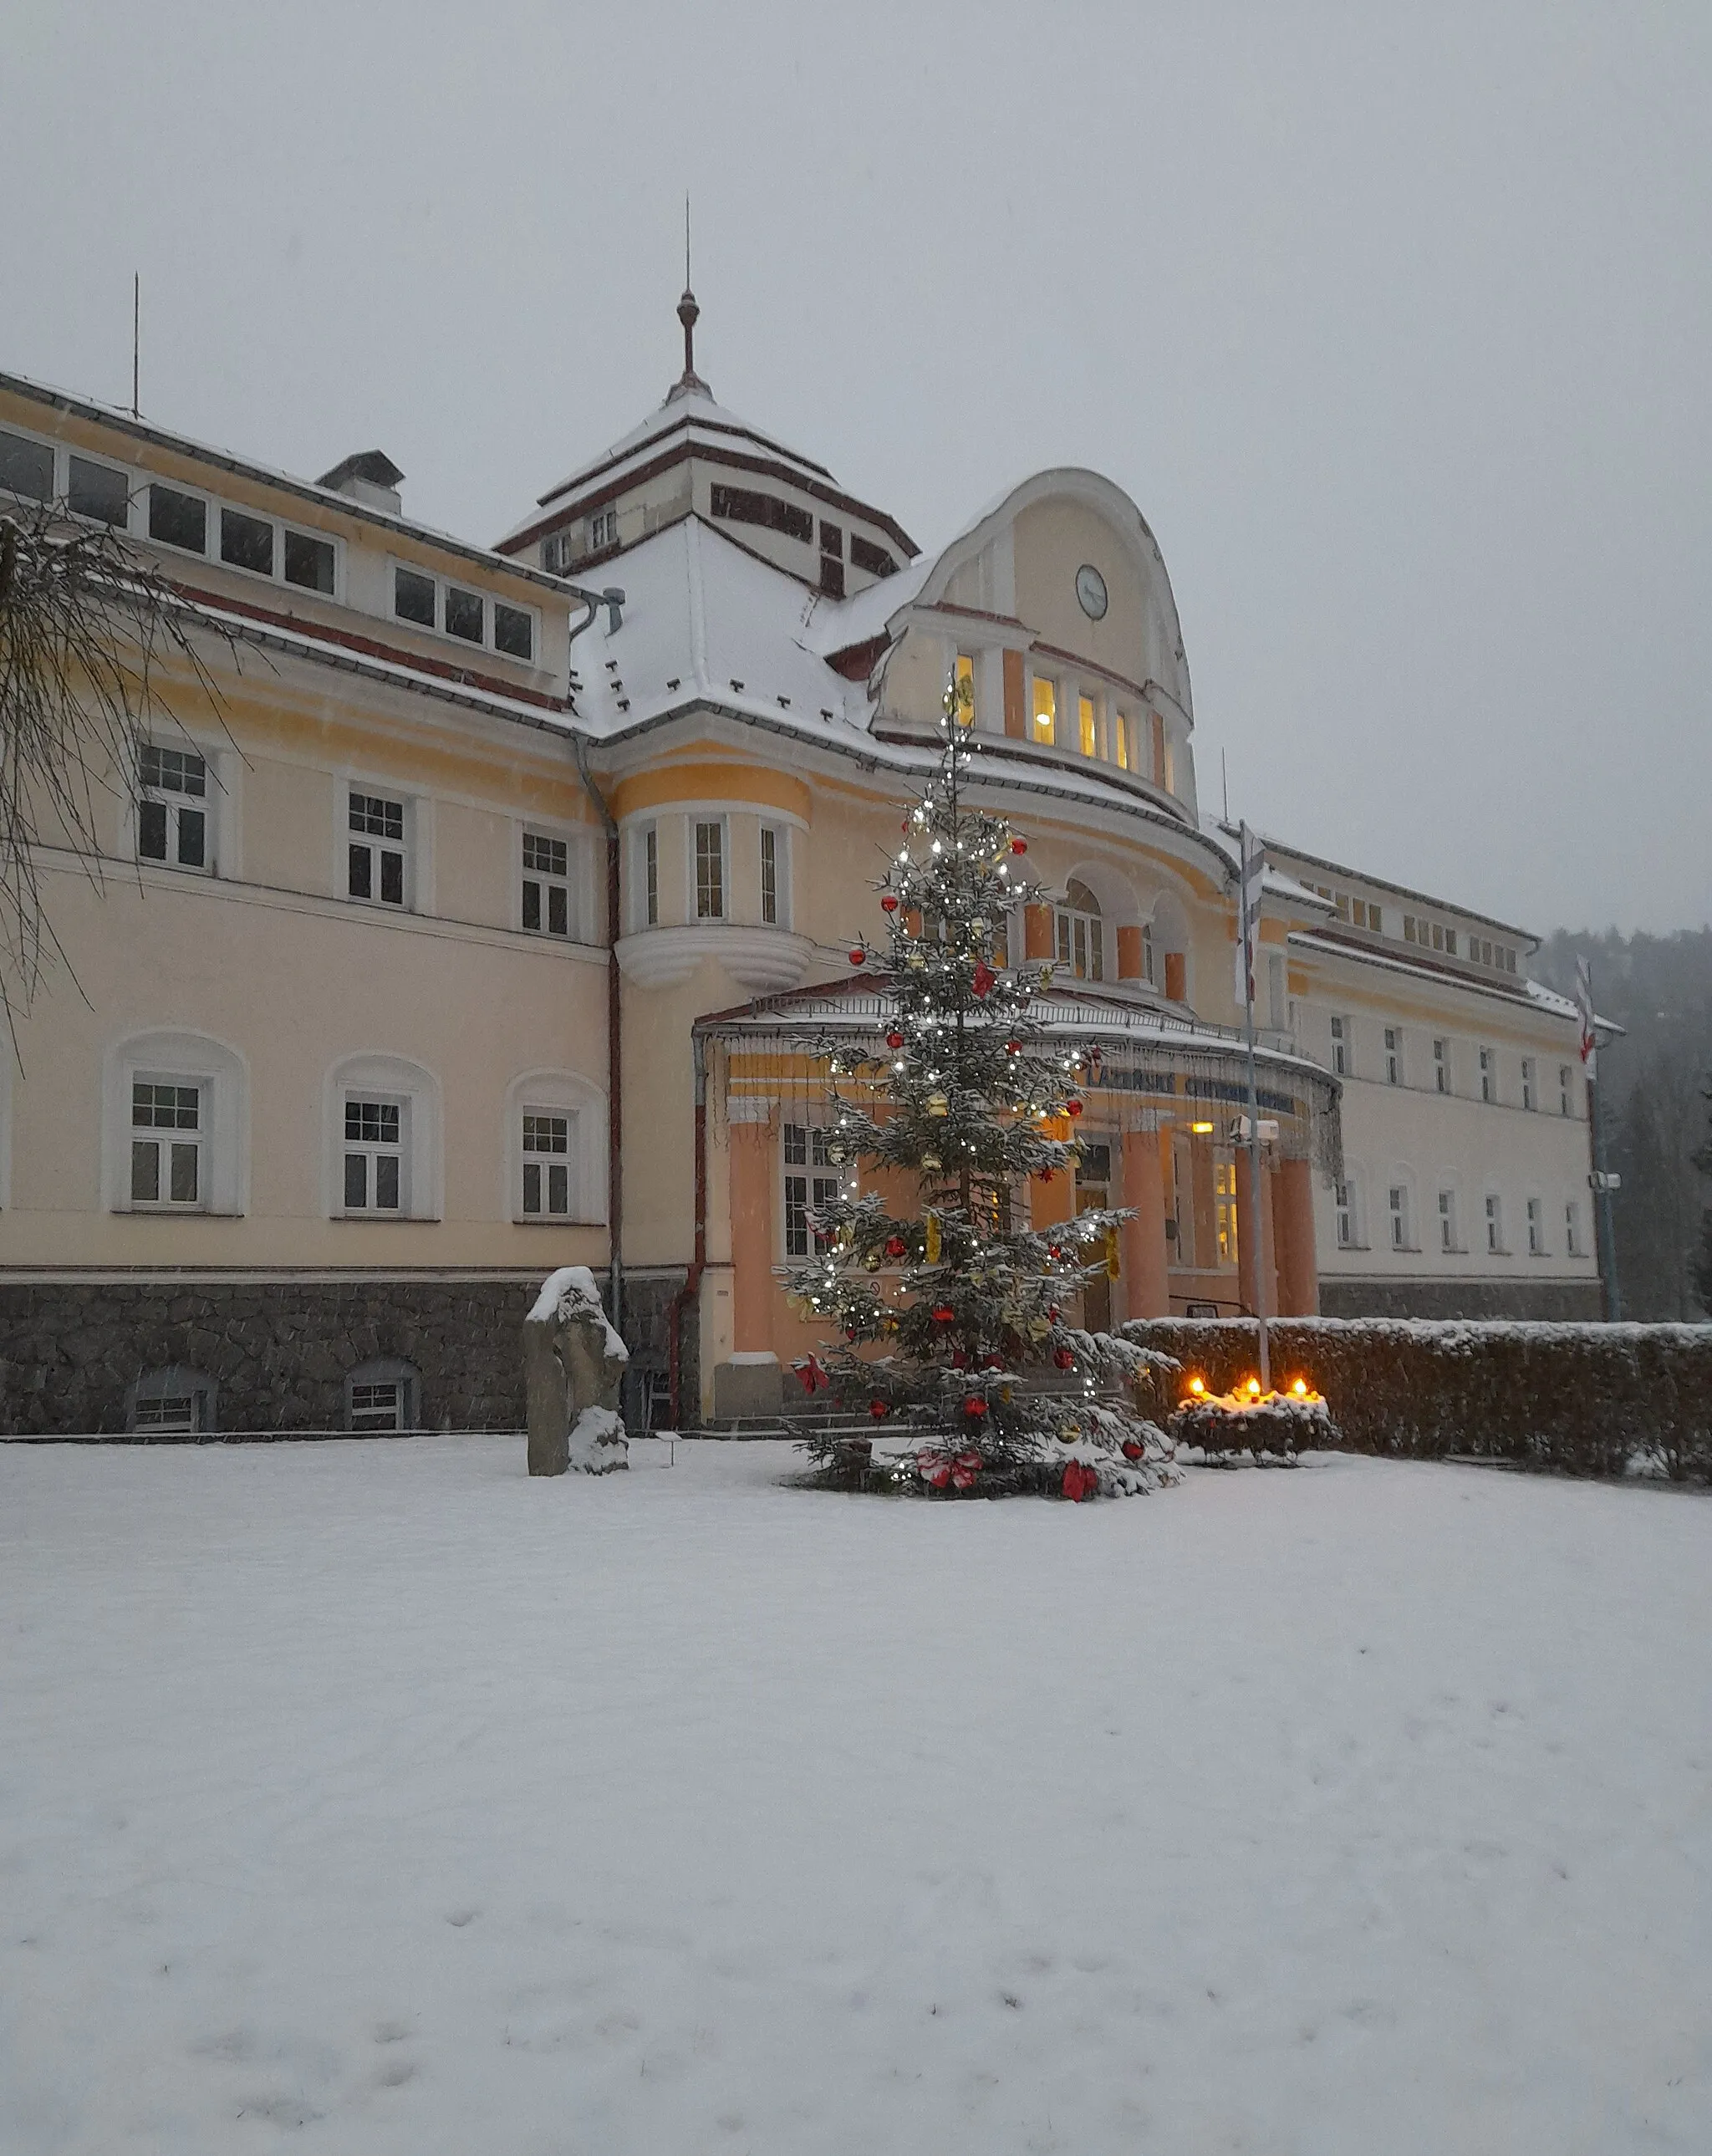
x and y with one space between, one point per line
1558 1302
280 1350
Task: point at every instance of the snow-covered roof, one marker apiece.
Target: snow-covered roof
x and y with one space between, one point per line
696 411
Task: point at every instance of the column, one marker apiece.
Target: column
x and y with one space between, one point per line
1129 952
1298 1262
1146 1292
1245 1238
752 1157
1176 977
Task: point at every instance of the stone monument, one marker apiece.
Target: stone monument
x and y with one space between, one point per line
573 1365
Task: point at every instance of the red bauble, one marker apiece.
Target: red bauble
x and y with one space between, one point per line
1055 1313
1063 1357
857 957
1131 1450
1013 1047
878 1409
944 1315
974 1405
1072 1107
1053 1250
888 904
894 1246
1019 846
894 1038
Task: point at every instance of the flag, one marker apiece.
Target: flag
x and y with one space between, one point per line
1252 874
1584 1006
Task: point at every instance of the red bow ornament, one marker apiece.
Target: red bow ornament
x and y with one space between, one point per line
813 1373
1080 1481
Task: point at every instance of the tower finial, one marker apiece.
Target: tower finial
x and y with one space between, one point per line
688 313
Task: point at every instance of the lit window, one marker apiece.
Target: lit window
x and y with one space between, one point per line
547 884
1224 1209
1087 732
1340 1040
1441 1065
1393 1055
546 1165
1536 1229
710 871
1494 1223
1120 740
171 809
166 1143
374 1156
377 849
1081 933
1529 1099
1447 1219
963 682
1045 710
805 1192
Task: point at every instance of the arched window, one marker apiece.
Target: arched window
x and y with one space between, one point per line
1081 932
555 1149
385 1394
175 1126
383 1123
173 1402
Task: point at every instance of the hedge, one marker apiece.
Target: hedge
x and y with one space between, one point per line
1585 1399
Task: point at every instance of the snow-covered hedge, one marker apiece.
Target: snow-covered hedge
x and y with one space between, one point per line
1587 1400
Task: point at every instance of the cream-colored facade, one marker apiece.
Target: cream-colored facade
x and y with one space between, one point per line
370 989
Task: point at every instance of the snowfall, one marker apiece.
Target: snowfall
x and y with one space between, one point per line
370 1798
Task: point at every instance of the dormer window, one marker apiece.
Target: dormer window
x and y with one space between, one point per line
602 529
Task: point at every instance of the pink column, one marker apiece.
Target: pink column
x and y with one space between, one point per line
751 1235
1298 1262
1146 1292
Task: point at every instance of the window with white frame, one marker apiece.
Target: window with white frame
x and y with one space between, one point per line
382 1395
651 876
173 1402
603 529
1489 1076
549 1157
1536 1228
245 539
1148 961
1081 932
1530 1090
26 466
1044 724
1566 1090
375 1157
710 871
1347 1223
377 849
810 1182
547 884
100 492
1440 1065
173 807
472 617
1572 1228
1342 1029
1393 1055
1494 1224
775 875
1446 1220
167 1129
1397 1209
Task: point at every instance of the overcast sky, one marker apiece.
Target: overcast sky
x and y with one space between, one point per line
1395 321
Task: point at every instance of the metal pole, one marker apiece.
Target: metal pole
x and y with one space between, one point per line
1612 1295
1249 932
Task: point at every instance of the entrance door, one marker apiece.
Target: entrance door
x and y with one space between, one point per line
1093 1195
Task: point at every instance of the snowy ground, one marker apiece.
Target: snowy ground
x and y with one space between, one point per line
373 1800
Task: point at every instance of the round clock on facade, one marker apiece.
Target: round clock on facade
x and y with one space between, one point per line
1090 591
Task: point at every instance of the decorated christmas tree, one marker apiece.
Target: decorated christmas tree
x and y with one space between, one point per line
954 1316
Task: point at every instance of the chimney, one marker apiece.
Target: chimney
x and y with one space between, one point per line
370 476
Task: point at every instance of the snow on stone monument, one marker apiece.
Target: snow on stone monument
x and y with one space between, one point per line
573 1365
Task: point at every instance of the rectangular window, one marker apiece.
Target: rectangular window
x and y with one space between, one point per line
1120 740
1393 1055
1536 1229
546 884
26 467
1087 732
376 850
651 876
1566 1090
171 810
413 597
1408 928
1450 943
464 615
1489 1077
546 1165
741 505
805 1147
1046 704
514 631
1441 1065
166 1169
99 492
309 563
873 561
1447 1219
1346 1217
710 871
1494 1223
1438 936
1147 958
963 682
603 528
1529 1090
178 520
1224 1211
1572 1228
1341 1029
374 1156
1397 1201
247 542
769 875
377 1407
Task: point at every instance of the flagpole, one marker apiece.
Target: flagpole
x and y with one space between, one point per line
1248 925
1603 1231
